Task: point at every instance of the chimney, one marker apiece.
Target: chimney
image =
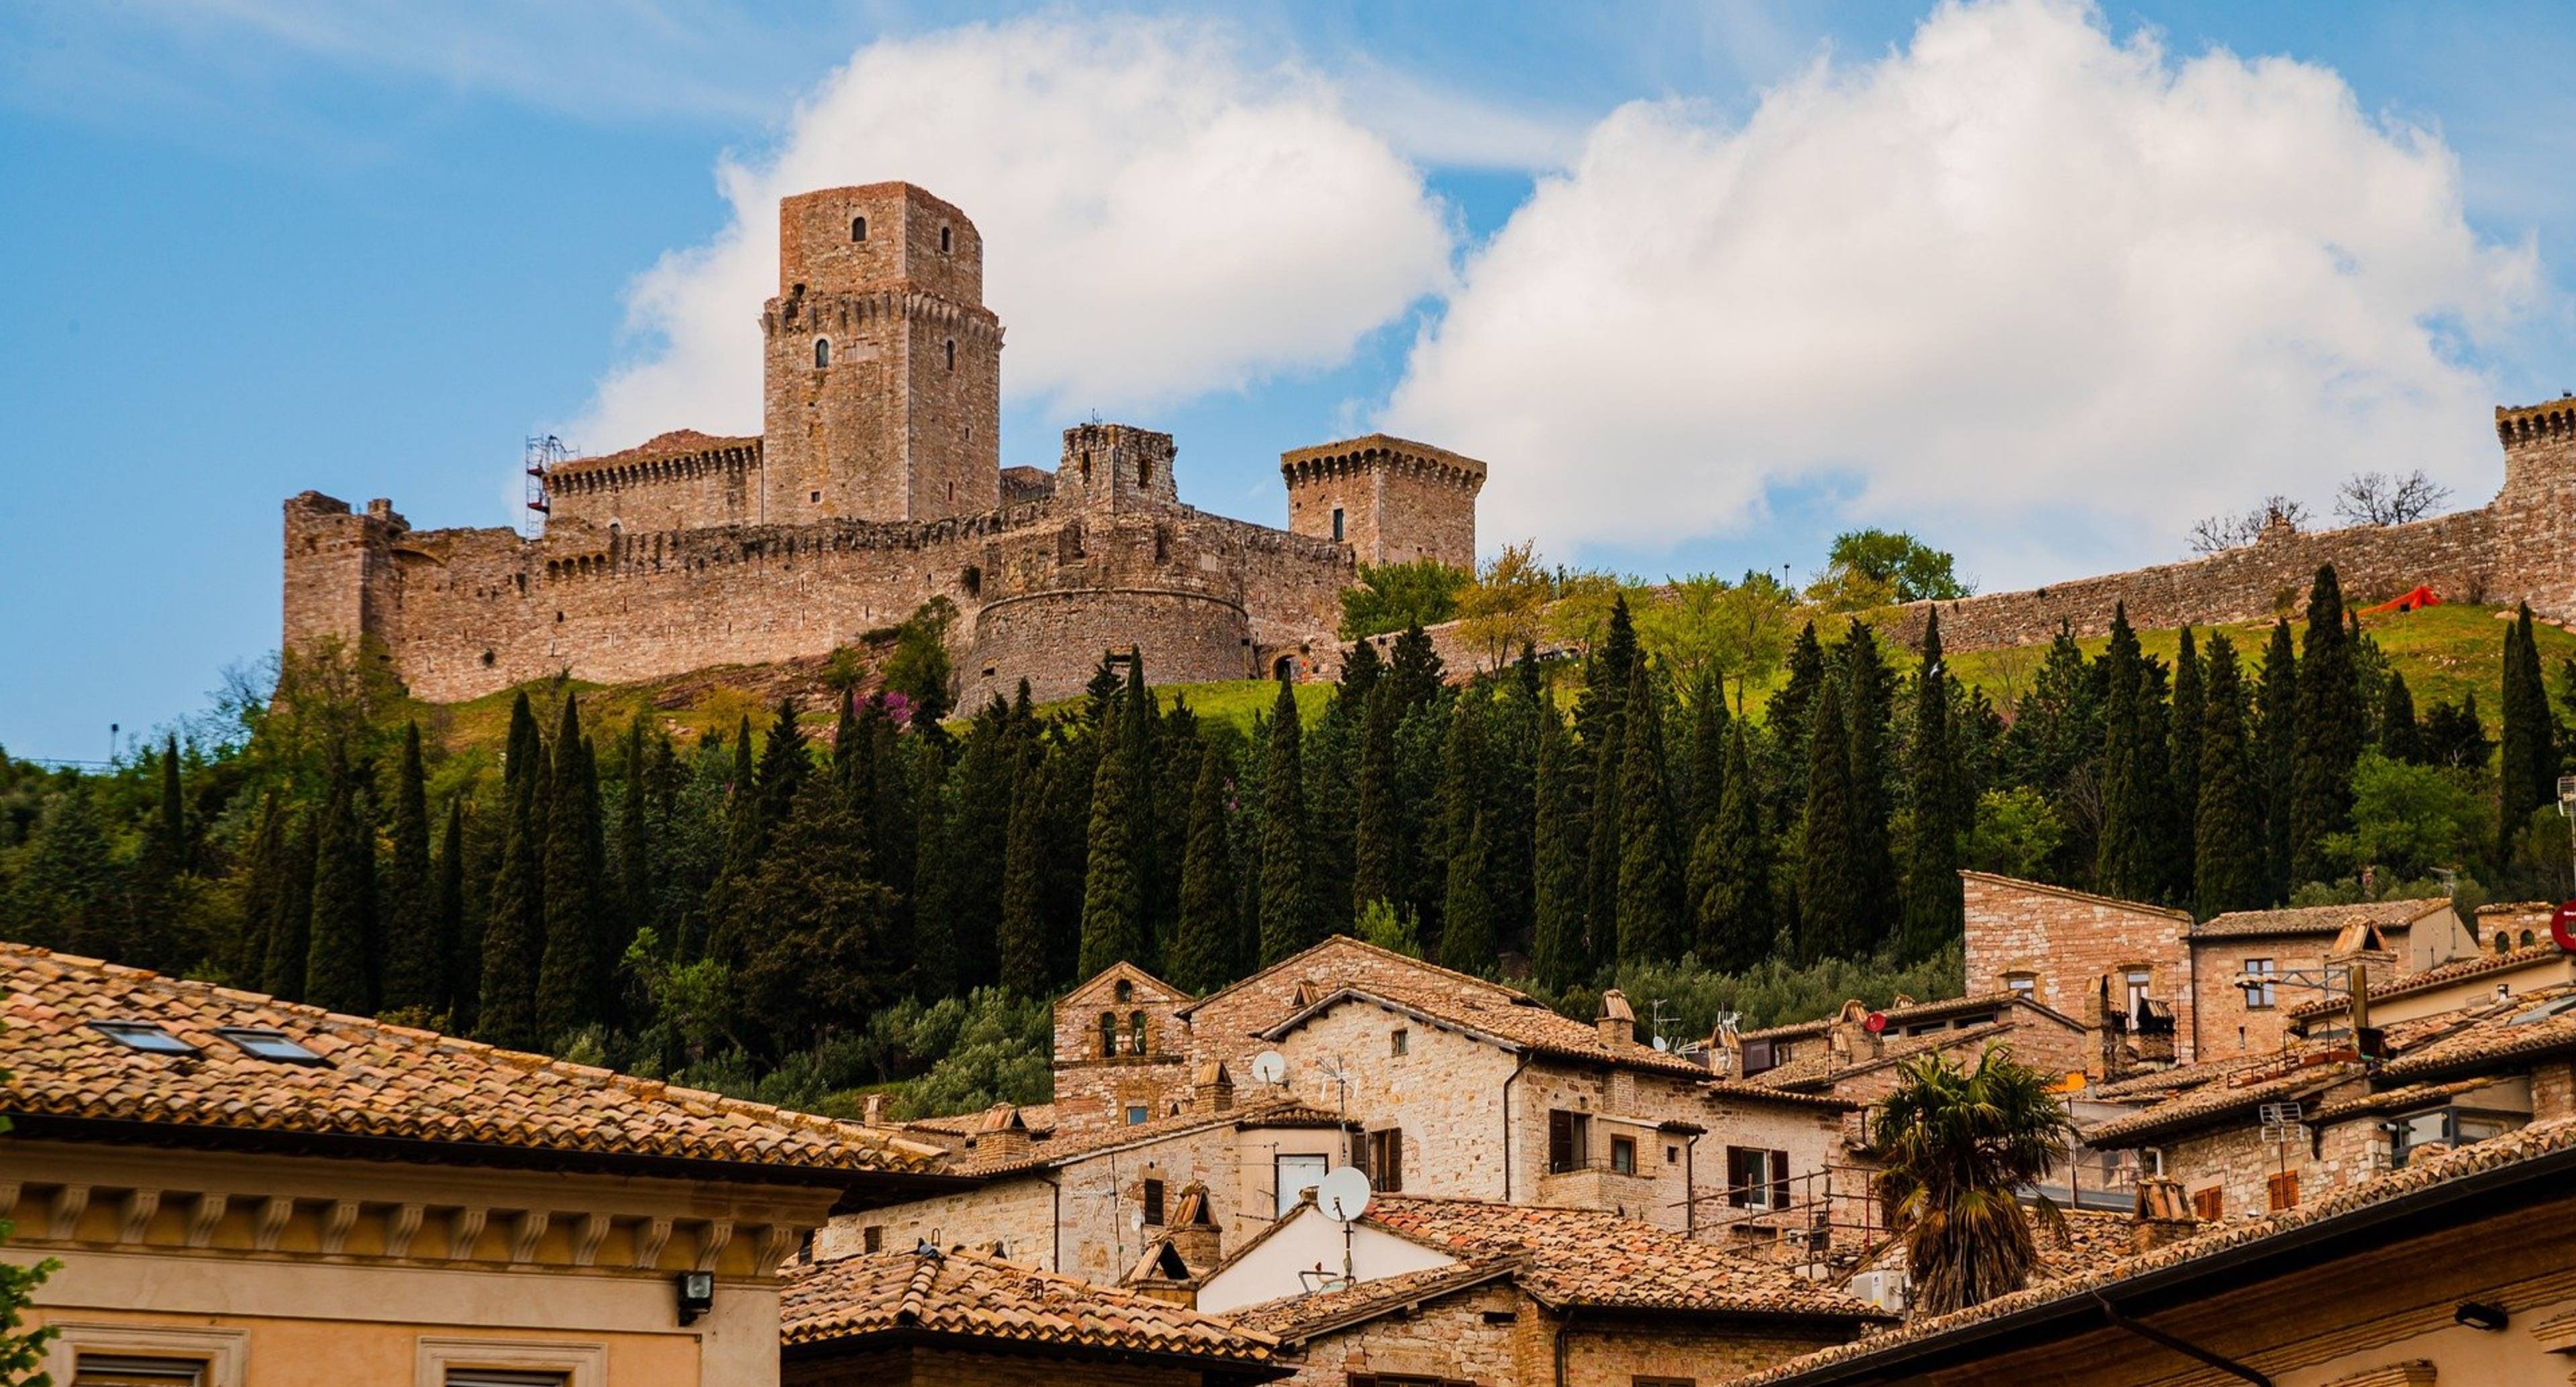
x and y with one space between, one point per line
2163 1214
2110 1052
1849 1036
1617 1022
1193 1234
1001 1136
1211 1089
874 1113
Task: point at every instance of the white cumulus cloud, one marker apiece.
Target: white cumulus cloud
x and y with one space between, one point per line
1164 214
2047 293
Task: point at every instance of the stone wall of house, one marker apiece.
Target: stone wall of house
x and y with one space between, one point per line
1095 1090
942 1366
2230 1021
1013 1219
1446 1092
1474 1336
2235 1159
1496 1336
2067 941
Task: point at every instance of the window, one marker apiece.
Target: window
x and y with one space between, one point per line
1297 1173
132 1370
270 1045
1569 1140
858 228
145 1036
2448 1128
1136 1114
1397 1040
1337 524
2282 1189
2138 979
1108 1034
952 353
2209 1205
1760 1056
2258 996
1384 1153
1641 1380
822 352
944 241
1757 1178
814 496
1153 1200
1135 1032
488 1377
1144 472
872 1238
1124 991
1623 1155
2023 985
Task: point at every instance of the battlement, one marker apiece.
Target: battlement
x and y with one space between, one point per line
840 240
1117 466
2539 446
1391 499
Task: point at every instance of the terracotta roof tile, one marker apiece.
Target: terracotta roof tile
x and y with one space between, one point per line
2432 979
1280 1112
1823 1067
1896 1016
968 1294
1587 1257
375 1080
677 443
2539 1022
2537 1141
2317 919
1297 1317
1510 1017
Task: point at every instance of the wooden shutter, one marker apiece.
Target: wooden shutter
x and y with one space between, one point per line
1779 1179
2283 1189
2208 1205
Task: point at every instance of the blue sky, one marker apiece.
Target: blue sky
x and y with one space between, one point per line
2039 281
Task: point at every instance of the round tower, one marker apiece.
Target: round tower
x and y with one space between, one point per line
882 371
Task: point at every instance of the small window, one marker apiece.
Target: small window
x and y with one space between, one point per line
952 353
822 352
1623 1155
2258 989
1757 1178
2209 1205
1125 991
1337 524
1297 1172
858 228
1137 1114
2138 981
872 1238
1135 1032
1760 1056
944 242
1144 472
494 1377
270 1045
2023 985
134 1370
1153 1203
146 1036
1108 1034
1383 1152
1672 1155
1569 1141
1397 1040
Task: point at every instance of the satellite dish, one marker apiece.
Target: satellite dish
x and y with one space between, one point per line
1269 1066
1662 1044
1343 1195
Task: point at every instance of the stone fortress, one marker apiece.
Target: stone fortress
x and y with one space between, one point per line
875 485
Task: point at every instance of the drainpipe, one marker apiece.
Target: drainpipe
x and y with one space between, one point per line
1564 1327
2188 1350
1507 1123
1055 1194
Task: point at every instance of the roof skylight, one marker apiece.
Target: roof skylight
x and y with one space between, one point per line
146 1036
260 1043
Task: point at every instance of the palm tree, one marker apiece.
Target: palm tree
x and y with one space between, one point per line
1959 1145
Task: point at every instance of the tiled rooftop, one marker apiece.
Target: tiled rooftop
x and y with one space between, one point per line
1297 1317
372 1080
1898 1017
2317 919
1511 1017
2432 979
678 443
1258 1111
2541 1139
1820 1067
963 1293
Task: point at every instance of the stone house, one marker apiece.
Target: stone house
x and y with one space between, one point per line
1121 1052
1472 1292
2452 1270
244 1192
2122 965
1091 1204
2237 1013
919 1316
2268 1132
2451 987
1842 1056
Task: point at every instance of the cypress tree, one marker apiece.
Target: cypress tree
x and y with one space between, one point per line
2276 754
261 882
1288 922
1415 672
1203 949
1464 779
1467 911
290 926
1362 667
1650 872
639 875
979 840
569 980
1382 842
1180 748
2167 859
1731 871
1786 713
336 973
2123 858
822 948
1113 892
1558 951
2182 774
1022 934
455 976
784 762
514 925
1935 911
2329 734
1866 711
414 952
935 924
2401 737
1708 752
1830 908
1511 803
167 850
2526 758
2230 860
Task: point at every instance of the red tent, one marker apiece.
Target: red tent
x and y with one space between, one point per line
2422 596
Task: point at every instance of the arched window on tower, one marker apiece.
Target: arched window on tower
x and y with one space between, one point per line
1108 1034
1135 1032
858 228
952 353
822 352
943 240
1144 472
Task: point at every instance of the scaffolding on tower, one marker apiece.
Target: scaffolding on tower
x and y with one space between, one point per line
544 454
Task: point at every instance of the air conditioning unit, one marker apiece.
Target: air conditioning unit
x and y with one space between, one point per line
1885 1288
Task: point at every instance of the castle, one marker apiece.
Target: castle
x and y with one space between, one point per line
875 485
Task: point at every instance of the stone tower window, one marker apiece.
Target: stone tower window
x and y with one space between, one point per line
1135 1032
822 352
952 353
858 228
943 240
1108 1034
1144 472
1337 524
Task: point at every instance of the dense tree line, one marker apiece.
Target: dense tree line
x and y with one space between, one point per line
810 901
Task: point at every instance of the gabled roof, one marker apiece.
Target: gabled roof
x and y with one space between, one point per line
1296 1318
1590 1258
1514 1022
2434 979
1910 1013
373 1083
2539 1022
1046 1155
1128 971
2070 893
1823 1068
1035 1117
998 1307
1342 958
2318 919
2540 1152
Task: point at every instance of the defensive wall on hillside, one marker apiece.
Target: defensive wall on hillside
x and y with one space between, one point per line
875 486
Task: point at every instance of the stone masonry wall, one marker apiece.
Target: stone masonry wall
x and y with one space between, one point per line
1494 1335
2067 940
